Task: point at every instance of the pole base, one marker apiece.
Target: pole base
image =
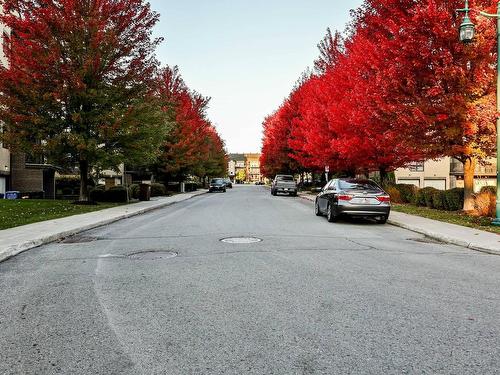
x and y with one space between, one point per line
496 222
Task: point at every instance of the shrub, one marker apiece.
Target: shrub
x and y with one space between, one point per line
424 197
116 194
133 191
158 190
97 194
407 192
394 194
454 199
485 202
438 200
191 186
489 189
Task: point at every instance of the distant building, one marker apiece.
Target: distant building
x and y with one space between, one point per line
19 171
244 168
445 173
253 168
4 153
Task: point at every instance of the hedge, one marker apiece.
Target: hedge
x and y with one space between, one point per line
424 197
133 191
454 199
116 194
407 192
158 190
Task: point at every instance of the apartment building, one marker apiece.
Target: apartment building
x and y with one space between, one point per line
19 171
253 168
246 165
4 153
445 173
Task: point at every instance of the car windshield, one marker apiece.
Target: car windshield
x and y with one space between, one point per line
284 178
217 181
359 185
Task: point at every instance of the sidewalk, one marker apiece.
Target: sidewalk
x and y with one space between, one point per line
450 233
16 240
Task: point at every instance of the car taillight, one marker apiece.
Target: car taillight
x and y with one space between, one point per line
345 197
384 198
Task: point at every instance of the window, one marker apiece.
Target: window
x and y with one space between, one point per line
416 167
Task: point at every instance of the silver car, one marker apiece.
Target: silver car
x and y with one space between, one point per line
353 197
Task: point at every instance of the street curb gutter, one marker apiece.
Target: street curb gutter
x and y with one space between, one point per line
13 250
434 235
444 238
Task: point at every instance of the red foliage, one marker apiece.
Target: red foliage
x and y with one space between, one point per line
400 88
193 146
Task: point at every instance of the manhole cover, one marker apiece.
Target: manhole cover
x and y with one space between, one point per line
241 240
152 255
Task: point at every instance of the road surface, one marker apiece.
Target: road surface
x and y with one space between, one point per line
312 297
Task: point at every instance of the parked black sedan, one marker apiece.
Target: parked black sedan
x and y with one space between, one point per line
217 184
353 197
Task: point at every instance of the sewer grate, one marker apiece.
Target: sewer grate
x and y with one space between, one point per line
241 240
152 255
425 240
78 239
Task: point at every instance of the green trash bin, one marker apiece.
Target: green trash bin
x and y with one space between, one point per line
144 192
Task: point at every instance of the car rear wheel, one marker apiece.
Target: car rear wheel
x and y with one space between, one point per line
317 212
382 219
331 215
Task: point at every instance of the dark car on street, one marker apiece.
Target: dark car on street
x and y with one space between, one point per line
229 183
217 184
284 184
353 197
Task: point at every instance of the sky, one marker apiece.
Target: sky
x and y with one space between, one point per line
245 54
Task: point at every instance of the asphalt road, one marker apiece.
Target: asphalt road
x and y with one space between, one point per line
352 297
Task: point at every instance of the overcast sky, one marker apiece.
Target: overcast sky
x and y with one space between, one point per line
245 54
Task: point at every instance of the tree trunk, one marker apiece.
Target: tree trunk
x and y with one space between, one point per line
84 181
383 176
469 171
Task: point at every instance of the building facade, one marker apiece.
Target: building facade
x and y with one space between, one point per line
4 153
445 173
18 171
244 168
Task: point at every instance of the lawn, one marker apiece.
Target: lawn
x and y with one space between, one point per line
14 213
482 223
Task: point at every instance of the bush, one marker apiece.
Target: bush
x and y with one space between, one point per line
117 194
158 190
407 192
485 201
97 194
394 194
191 186
489 189
454 199
424 197
438 200
133 191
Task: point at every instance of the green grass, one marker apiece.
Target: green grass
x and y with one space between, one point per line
459 218
14 213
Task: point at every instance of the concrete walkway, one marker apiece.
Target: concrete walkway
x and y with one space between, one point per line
16 240
450 233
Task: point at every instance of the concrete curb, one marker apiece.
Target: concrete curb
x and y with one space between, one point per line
472 245
446 239
18 248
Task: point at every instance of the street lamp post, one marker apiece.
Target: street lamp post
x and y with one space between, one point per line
467 31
